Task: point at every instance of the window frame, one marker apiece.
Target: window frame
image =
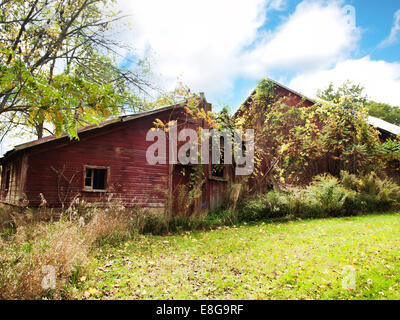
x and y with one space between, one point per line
90 188
224 178
218 178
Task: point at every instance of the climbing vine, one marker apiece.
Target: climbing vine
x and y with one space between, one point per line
186 195
294 142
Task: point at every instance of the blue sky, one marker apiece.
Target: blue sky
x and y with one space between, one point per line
375 20
224 47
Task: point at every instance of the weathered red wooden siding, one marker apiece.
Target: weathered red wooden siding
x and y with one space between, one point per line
120 146
290 99
215 192
219 189
15 191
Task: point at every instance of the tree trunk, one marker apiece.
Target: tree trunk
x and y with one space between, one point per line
39 130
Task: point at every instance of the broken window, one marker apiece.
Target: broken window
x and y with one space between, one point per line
95 178
218 169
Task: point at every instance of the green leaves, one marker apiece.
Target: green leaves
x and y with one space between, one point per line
264 91
58 66
351 91
293 143
384 111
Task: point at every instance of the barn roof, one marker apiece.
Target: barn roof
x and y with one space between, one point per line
238 111
384 125
124 118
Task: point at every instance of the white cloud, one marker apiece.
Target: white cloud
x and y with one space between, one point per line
198 40
394 33
211 43
381 79
277 4
315 36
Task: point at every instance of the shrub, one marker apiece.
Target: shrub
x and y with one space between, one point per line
220 217
374 193
253 210
273 204
324 197
328 197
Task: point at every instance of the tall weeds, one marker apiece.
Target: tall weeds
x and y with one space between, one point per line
56 249
326 196
37 244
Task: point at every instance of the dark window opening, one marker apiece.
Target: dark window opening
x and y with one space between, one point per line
218 169
7 184
244 148
95 179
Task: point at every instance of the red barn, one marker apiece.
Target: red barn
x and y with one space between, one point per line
293 98
107 162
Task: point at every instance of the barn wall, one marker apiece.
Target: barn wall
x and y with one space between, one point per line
15 192
55 169
120 147
291 99
215 192
219 193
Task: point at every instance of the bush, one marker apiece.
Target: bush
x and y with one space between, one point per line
326 196
374 193
271 205
220 217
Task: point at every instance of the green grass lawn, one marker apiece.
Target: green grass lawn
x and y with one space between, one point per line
293 260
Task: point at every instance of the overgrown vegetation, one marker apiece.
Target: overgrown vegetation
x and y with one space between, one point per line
32 241
60 66
305 152
326 196
307 259
60 70
296 140
380 110
36 243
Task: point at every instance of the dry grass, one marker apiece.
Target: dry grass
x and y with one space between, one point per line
112 221
36 250
44 242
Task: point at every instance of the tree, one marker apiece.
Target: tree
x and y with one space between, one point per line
58 66
356 93
384 111
352 91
